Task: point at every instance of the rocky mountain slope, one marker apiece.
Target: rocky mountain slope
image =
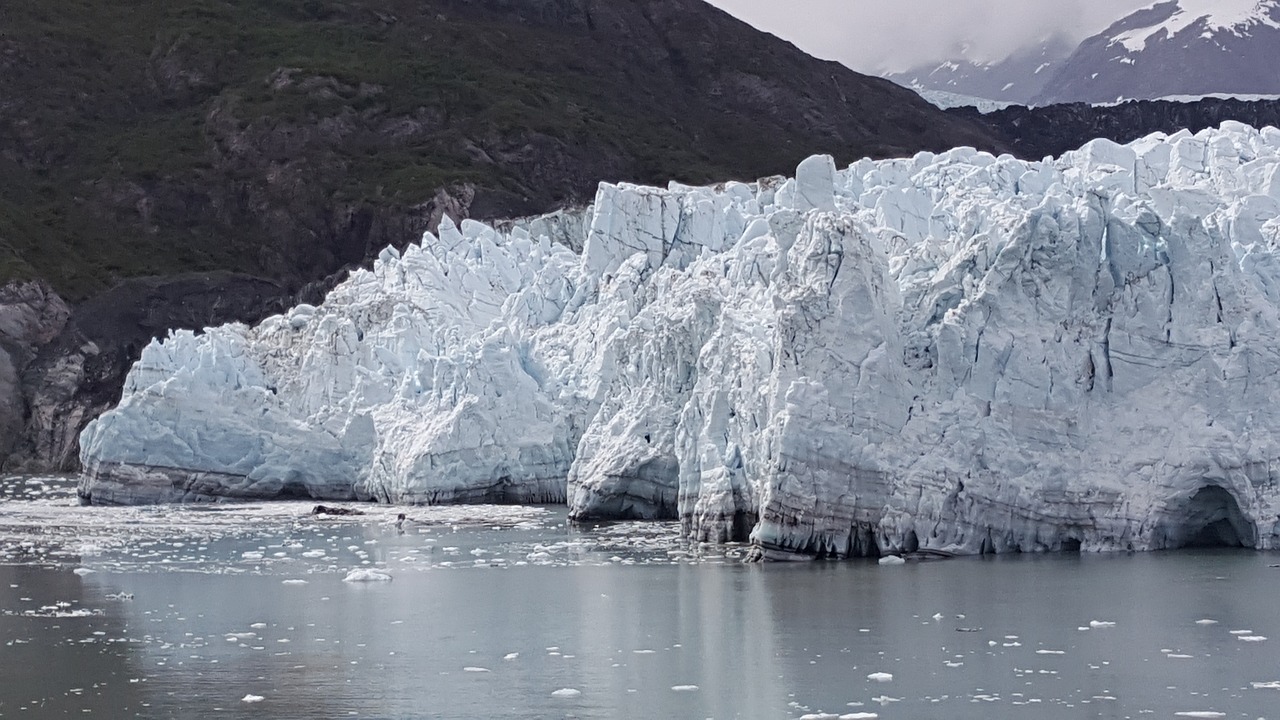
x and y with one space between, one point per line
281 142
954 352
287 140
1176 48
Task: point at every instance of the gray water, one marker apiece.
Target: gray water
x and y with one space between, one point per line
510 612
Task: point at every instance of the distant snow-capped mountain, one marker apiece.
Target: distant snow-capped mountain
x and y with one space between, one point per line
1175 48
1016 79
1169 49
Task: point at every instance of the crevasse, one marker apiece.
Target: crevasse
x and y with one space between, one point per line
956 352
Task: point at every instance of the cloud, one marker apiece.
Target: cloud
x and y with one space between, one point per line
877 36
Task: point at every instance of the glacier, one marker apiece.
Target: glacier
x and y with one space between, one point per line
953 352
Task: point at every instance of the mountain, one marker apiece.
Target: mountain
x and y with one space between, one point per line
954 352
1015 79
288 140
178 163
1175 48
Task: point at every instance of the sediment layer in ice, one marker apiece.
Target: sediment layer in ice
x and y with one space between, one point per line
955 352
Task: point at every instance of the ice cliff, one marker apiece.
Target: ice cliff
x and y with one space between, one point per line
953 351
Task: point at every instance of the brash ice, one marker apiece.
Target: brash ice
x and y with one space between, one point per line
956 352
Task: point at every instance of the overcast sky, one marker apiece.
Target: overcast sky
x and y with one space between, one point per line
874 36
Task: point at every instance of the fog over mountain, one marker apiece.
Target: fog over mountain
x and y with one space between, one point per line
884 36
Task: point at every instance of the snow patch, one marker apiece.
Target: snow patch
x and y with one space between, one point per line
1230 15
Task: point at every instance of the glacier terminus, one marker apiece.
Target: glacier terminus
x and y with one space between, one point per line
952 351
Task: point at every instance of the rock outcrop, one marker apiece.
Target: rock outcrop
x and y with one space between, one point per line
31 316
70 363
956 352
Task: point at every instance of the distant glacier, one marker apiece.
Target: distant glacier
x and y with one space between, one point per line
956 352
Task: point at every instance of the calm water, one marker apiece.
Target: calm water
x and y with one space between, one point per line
184 612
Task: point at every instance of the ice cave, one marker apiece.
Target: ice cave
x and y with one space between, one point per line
1209 518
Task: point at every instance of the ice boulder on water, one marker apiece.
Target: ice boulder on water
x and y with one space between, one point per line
366 576
952 352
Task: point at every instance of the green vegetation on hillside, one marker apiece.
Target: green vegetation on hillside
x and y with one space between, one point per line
144 137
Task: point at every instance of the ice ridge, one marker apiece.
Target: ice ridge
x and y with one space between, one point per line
954 352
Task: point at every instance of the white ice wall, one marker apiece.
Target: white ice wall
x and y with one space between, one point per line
956 351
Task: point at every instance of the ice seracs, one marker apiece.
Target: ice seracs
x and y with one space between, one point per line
955 352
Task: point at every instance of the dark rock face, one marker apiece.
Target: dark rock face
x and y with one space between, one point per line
1055 129
291 140
31 316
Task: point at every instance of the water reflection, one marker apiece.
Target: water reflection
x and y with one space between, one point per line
65 651
491 613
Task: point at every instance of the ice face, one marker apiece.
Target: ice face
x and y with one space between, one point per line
950 352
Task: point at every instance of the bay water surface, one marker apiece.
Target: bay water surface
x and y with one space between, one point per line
264 610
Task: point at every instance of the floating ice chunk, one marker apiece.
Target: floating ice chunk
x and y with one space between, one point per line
1206 621
1269 685
363 576
1051 652
1251 638
474 669
511 656
293 581
1200 714
859 716
684 688
252 698
880 677
1095 624
1240 632
566 693
892 560
83 571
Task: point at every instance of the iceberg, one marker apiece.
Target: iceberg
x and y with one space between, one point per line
953 352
